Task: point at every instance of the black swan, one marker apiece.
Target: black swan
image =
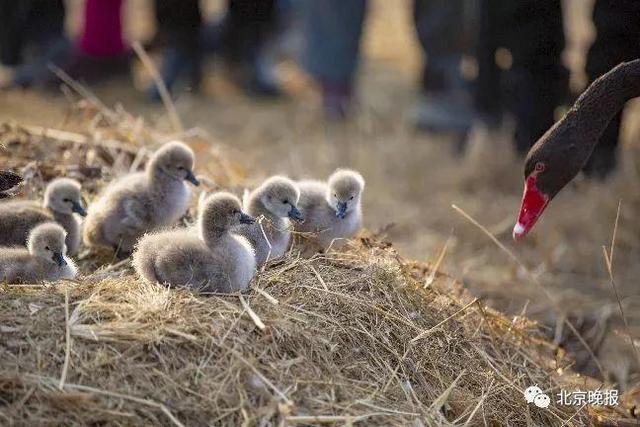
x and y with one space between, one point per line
563 150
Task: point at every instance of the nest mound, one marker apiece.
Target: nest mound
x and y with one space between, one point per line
361 336
339 338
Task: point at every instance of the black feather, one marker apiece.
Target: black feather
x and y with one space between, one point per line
8 180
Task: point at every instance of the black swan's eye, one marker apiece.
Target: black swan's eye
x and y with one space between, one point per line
540 167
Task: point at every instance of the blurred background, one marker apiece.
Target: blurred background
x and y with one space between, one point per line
436 103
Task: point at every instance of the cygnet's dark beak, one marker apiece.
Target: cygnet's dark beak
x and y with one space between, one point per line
295 214
59 259
192 178
77 208
246 219
341 210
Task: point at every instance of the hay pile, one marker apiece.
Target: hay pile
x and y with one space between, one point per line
354 337
349 337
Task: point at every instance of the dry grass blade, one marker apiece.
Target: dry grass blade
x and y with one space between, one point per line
330 419
77 138
534 280
440 401
82 91
254 317
162 88
431 330
67 351
320 279
480 402
615 232
264 235
436 267
46 382
268 297
608 259
261 375
493 238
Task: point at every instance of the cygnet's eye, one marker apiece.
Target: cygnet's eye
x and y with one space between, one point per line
180 168
66 200
47 248
236 212
335 195
285 201
351 198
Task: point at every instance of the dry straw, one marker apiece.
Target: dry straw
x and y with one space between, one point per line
354 337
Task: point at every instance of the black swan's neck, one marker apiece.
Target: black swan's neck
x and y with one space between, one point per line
585 122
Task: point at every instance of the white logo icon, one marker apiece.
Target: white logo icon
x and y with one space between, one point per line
542 401
534 394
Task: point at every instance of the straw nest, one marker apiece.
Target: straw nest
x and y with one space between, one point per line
357 337
345 337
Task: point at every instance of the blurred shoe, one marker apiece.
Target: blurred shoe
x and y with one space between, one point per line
262 80
36 70
94 70
255 81
262 89
336 101
177 63
443 113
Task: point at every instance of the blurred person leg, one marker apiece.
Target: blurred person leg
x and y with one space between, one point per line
487 89
243 36
179 30
13 15
444 29
537 81
332 33
100 52
31 38
288 28
617 24
102 29
46 44
520 65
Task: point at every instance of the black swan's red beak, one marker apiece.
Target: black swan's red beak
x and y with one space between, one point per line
533 204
